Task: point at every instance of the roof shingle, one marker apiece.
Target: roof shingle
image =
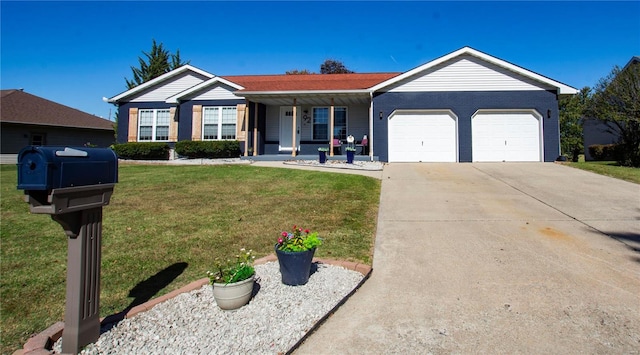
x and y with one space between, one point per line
17 106
309 82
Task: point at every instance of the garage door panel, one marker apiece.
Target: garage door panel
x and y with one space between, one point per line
506 136
422 137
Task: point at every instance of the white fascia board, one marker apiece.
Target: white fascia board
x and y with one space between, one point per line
562 88
159 79
175 98
302 92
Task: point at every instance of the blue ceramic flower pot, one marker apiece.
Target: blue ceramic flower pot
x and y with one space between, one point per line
295 266
322 157
350 155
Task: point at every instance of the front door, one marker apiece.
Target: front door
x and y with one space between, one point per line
286 128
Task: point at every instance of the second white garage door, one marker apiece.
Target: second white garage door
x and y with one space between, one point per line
422 136
512 135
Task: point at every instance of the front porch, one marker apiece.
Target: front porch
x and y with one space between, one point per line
294 125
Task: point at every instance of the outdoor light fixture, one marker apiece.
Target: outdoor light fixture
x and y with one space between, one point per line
548 113
380 114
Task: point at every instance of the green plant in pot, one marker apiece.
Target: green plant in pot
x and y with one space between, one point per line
295 252
233 280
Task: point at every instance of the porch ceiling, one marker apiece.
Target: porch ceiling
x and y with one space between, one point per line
309 99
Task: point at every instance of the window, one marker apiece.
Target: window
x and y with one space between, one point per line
219 123
153 125
321 123
340 123
38 139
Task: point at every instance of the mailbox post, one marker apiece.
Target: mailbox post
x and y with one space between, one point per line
72 185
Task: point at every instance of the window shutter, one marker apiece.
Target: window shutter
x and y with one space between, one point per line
241 124
173 125
133 125
196 125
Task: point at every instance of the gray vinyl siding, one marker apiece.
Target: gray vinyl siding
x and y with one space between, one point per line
216 92
464 105
169 88
466 73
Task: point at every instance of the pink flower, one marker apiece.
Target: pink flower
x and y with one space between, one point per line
306 231
279 240
284 234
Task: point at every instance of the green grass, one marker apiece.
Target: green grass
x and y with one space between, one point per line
609 168
165 226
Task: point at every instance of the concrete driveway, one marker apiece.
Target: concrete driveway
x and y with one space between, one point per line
496 258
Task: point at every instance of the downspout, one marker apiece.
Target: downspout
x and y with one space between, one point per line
371 125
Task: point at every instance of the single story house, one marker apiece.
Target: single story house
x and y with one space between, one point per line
462 107
31 120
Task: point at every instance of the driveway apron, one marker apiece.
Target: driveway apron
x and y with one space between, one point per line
496 258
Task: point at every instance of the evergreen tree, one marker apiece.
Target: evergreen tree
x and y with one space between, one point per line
156 62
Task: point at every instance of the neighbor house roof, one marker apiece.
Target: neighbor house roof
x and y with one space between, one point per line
562 88
635 59
18 106
308 82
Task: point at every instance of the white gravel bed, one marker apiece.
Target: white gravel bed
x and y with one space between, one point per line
339 164
275 319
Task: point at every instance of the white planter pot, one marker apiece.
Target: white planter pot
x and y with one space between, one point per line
233 295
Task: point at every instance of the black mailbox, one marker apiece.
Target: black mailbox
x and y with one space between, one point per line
60 180
47 168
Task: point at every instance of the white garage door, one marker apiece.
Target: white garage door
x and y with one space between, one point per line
422 136
506 135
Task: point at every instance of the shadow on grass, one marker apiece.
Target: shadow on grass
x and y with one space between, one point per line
144 291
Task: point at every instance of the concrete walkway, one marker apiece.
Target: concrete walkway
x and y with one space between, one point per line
498 258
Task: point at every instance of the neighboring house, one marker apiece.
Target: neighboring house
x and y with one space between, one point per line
595 131
31 120
462 107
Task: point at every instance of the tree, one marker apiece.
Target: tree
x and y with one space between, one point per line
616 102
298 72
158 61
572 110
331 66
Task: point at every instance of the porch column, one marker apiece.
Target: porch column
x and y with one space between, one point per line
255 129
295 128
245 123
331 125
370 136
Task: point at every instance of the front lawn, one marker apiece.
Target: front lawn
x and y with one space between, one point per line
165 226
609 168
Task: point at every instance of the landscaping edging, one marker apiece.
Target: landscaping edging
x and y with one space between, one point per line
42 343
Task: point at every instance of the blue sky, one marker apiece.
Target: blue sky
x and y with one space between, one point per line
74 53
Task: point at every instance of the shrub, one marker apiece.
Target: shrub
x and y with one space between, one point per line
142 151
606 151
208 149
